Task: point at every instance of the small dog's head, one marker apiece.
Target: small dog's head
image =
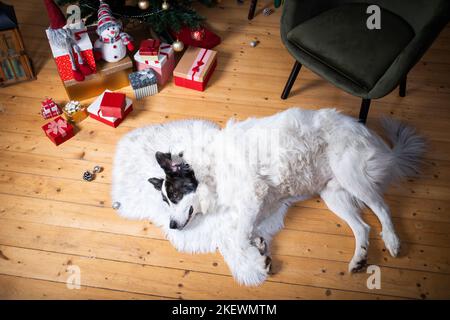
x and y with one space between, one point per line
178 189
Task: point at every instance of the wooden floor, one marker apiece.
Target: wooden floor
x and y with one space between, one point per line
51 219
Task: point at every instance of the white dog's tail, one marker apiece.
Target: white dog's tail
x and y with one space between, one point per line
408 147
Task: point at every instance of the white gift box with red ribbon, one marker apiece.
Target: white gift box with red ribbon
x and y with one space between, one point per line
163 66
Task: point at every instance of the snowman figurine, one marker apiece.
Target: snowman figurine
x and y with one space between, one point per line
112 43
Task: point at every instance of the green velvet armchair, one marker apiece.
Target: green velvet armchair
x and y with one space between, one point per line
331 38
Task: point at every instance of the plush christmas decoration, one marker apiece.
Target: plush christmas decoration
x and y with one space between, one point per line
112 43
208 40
63 38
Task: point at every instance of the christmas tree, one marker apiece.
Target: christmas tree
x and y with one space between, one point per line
161 15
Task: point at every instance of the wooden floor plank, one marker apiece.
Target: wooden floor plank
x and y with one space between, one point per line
328 245
160 253
14 288
144 279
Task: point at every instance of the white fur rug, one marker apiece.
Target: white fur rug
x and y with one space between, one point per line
249 174
135 163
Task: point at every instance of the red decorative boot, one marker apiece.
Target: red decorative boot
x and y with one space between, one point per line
85 69
97 55
78 75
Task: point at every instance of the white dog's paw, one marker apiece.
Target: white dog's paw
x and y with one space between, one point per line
260 244
392 242
357 264
262 247
251 269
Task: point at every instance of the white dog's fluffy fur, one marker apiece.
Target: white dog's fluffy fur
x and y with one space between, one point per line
242 197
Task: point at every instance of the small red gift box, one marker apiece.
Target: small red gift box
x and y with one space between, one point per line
113 104
96 113
50 109
195 68
149 49
58 130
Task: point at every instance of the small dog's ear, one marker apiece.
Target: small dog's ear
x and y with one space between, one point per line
156 182
164 161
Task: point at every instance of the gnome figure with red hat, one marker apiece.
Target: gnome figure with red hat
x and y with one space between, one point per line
63 38
112 43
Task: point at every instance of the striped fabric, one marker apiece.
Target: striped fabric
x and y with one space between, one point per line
146 92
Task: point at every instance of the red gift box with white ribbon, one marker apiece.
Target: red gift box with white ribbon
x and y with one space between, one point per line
58 130
195 68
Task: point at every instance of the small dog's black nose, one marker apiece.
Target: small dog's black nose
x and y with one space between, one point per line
173 224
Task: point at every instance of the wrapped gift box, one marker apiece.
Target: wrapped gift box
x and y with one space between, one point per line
61 56
113 104
195 68
58 130
112 76
50 109
75 112
96 113
144 83
149 49
163 66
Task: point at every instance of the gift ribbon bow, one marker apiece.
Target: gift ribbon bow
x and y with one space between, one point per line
161 52
196 67
146 75
56 127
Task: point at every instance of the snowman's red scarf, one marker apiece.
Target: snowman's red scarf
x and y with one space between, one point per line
125 37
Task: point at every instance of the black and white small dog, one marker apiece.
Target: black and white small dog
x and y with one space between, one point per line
179 182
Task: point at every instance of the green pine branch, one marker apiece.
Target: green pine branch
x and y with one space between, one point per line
180 12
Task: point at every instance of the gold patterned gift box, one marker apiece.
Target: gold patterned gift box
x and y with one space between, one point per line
112 76
75 112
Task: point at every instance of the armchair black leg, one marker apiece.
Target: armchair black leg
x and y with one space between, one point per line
291 80
251 11
402 87
365 104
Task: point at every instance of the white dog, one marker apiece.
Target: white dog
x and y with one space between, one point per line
230 189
